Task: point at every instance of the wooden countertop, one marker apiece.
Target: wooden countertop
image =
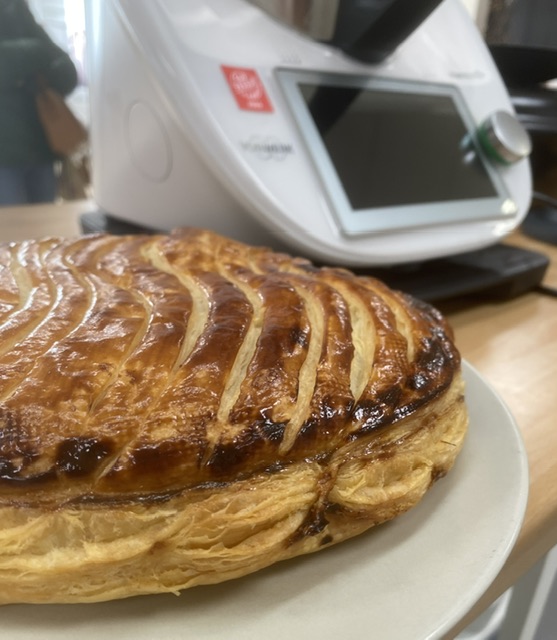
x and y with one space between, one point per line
512 343
36 221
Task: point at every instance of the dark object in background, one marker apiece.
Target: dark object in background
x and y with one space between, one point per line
370 30
500 271
29 59
522 38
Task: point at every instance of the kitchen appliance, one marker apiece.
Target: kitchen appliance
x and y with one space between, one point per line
359 133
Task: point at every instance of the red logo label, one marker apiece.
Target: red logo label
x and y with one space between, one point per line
247 88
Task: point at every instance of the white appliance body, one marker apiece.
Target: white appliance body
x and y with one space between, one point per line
200 116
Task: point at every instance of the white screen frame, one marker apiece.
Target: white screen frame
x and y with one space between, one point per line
381 219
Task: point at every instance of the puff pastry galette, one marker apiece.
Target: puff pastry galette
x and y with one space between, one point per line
185 409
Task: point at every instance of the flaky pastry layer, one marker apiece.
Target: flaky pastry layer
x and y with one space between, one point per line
185 409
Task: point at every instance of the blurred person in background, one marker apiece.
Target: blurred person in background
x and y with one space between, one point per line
29 59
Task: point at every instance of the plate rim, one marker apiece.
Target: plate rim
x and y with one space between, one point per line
431 628
497 562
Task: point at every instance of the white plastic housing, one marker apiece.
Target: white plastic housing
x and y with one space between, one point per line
172 147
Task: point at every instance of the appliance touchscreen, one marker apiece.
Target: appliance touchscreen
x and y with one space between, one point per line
394 154
395 148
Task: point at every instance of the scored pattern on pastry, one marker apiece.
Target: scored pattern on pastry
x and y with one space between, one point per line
184 409
152 364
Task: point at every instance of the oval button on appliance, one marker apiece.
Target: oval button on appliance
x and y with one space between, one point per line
148 142
504 138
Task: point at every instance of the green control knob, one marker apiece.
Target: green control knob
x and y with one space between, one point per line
504 138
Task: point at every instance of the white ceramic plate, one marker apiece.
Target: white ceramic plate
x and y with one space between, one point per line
410 579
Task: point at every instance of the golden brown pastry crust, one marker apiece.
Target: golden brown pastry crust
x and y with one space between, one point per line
185 409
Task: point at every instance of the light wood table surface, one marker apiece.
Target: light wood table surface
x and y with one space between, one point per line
36 221
512 343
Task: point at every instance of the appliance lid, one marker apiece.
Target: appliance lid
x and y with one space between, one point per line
367 30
